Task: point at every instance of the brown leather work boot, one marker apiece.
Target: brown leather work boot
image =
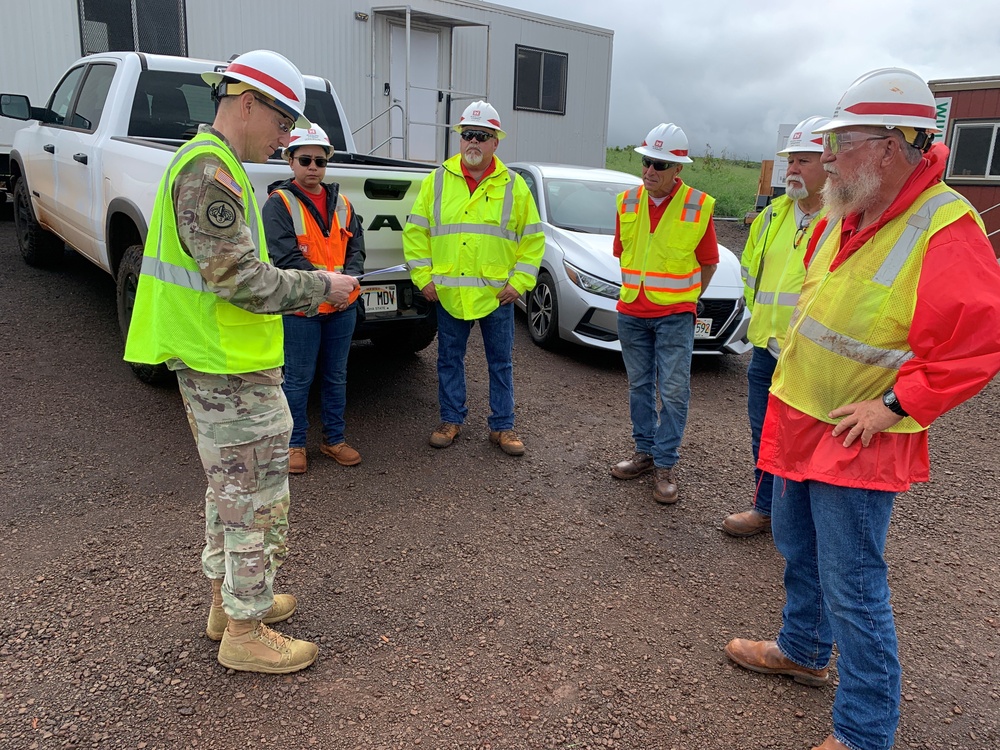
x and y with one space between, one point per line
630 468
251 646
665 489
508 441
832 743
342 453
764 657
297 461
747 523
445 434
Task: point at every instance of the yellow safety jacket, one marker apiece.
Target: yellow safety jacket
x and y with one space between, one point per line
773 270
176 314
325 252
471 246
848 335
664 262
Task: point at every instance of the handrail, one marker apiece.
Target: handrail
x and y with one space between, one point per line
380 114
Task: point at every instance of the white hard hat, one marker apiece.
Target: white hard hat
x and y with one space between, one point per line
313 135
666 142
803 136
271 74
480 114
888 97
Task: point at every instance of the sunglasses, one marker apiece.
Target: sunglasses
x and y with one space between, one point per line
659 166
476 135
305 161
837 143
286 124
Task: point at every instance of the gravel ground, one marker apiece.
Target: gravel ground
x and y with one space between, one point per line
462 598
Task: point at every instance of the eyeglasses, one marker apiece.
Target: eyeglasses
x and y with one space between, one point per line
803 228
478 135
659 166
305 161
283 124
837 143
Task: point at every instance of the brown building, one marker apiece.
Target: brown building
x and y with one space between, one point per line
969 109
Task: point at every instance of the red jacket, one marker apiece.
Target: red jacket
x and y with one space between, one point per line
955 338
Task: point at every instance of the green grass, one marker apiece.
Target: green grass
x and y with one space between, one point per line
732 182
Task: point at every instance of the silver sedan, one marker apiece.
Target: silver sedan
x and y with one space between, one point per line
577 290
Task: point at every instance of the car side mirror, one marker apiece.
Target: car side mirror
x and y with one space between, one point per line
15 106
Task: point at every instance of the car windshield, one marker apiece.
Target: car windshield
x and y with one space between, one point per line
583 205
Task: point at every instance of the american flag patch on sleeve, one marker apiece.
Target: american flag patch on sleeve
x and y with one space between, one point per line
226 180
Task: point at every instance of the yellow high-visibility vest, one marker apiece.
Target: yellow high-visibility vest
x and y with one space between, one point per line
176 315
848 335
471 246
663 262
773 270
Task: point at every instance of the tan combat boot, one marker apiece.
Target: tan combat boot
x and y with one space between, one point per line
283 608
251 646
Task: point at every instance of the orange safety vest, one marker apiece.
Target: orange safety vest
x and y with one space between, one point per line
324 252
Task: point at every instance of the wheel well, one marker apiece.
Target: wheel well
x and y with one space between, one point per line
122 234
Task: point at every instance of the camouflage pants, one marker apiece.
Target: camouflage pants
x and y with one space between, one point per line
242 431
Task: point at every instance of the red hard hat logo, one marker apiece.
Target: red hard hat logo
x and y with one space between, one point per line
658 144
797 136
475 113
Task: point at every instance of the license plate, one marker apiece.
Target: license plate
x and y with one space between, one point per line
379 298
703 328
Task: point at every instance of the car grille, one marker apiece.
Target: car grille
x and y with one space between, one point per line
720 311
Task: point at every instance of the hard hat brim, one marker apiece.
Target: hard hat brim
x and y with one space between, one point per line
500 132
661 156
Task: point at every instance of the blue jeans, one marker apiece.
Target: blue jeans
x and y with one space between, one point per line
657 351
498 341
323 340
837 590
759 375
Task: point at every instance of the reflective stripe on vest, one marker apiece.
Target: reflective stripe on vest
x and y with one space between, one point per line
326 252
177 315
849 336
439 230
670 249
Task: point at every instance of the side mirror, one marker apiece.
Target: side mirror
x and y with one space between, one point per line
15 106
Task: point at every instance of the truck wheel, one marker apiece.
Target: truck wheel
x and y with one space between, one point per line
39 247
411 341
127 284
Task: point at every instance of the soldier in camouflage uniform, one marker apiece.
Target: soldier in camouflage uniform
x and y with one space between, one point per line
207 304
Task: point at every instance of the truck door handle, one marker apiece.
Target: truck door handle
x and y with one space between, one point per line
82 158
50 147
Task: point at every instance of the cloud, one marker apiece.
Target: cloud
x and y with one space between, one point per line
730 73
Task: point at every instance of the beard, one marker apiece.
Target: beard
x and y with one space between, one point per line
472 158
796 193
843 198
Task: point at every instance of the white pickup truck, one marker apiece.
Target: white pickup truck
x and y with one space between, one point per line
86 169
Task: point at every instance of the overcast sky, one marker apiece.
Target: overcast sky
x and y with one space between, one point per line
730 72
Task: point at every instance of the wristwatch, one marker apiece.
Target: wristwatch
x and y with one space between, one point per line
892 403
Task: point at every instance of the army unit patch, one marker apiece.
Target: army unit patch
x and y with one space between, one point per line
221 214
226 180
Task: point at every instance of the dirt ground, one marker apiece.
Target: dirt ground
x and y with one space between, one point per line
462 598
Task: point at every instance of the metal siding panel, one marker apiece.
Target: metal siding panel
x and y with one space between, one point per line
338 47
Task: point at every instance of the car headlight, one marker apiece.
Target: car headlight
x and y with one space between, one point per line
590 283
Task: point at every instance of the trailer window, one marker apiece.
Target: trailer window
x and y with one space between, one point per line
976 152
540 80
157 26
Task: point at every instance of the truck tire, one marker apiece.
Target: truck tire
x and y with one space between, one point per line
126 285
403 343
39 247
